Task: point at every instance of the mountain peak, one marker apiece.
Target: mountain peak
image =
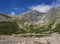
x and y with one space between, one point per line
42 8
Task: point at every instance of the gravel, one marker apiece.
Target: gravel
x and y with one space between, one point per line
8 39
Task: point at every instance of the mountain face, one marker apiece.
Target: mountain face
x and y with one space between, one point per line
34 16
55 14
47 23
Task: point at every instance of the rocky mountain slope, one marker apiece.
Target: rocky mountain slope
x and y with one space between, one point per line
34 16
36 22
4 17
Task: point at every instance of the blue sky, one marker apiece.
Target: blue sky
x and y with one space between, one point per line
20 6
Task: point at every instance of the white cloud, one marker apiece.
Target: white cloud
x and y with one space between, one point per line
23 8
15 8
19 9
12 13
42 8
57 3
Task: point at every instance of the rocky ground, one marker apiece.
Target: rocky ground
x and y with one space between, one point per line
53 39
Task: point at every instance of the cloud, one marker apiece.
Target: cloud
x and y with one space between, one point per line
57 3
42 8
15 8
12 13
23 8
19 9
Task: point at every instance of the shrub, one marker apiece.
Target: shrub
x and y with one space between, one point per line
7 27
